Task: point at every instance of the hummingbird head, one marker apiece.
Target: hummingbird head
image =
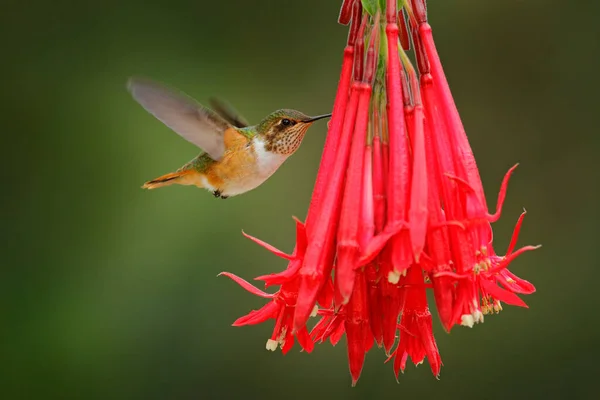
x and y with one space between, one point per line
283 130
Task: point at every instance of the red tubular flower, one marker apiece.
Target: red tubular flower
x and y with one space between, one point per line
403 33
377 165
418 213
463 196
367 216
399 162
416 335
346 12
337 119
398 208
438 243
348 249
318 261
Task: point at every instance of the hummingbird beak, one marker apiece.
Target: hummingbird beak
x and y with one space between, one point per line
313 119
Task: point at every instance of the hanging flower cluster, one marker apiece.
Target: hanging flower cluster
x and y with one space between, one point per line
398 208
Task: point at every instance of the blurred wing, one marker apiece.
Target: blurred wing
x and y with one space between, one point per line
182 114
226 110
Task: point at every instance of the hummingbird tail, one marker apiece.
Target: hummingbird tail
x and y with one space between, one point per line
186 177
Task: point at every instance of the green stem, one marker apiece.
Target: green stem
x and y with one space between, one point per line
405 60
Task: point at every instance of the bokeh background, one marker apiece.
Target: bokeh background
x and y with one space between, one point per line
110 292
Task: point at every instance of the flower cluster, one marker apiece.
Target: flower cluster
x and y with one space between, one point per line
398 208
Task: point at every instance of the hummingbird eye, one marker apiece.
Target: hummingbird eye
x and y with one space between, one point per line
286 122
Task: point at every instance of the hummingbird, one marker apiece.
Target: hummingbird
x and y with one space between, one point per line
235 157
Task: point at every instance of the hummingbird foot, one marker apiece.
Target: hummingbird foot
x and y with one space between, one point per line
217 194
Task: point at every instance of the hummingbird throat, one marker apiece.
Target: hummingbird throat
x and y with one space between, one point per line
285 142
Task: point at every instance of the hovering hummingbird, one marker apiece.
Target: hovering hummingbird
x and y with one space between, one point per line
235 157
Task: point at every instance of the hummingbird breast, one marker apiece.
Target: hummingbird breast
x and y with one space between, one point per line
244 167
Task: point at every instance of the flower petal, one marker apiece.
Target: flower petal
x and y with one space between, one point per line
301 239
506 260
283 276
501 195
501 294
246 285
379 241
516 231
514 283
305 341
337 333
267 246
418 211
268 311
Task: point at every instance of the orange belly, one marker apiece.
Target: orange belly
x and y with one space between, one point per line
245 166
237 163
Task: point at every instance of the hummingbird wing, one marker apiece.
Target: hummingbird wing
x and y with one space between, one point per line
182 114
226 110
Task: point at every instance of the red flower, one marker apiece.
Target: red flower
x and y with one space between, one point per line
325 205
416 332
398 208
281 308
463 198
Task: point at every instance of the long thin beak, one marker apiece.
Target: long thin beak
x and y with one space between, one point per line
313 119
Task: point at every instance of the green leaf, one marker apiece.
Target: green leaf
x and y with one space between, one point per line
370 6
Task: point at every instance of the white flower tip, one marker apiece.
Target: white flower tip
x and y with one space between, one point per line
467 320
393 277
478 316
272 345
315 311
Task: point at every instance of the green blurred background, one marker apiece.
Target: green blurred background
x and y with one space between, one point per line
110 292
